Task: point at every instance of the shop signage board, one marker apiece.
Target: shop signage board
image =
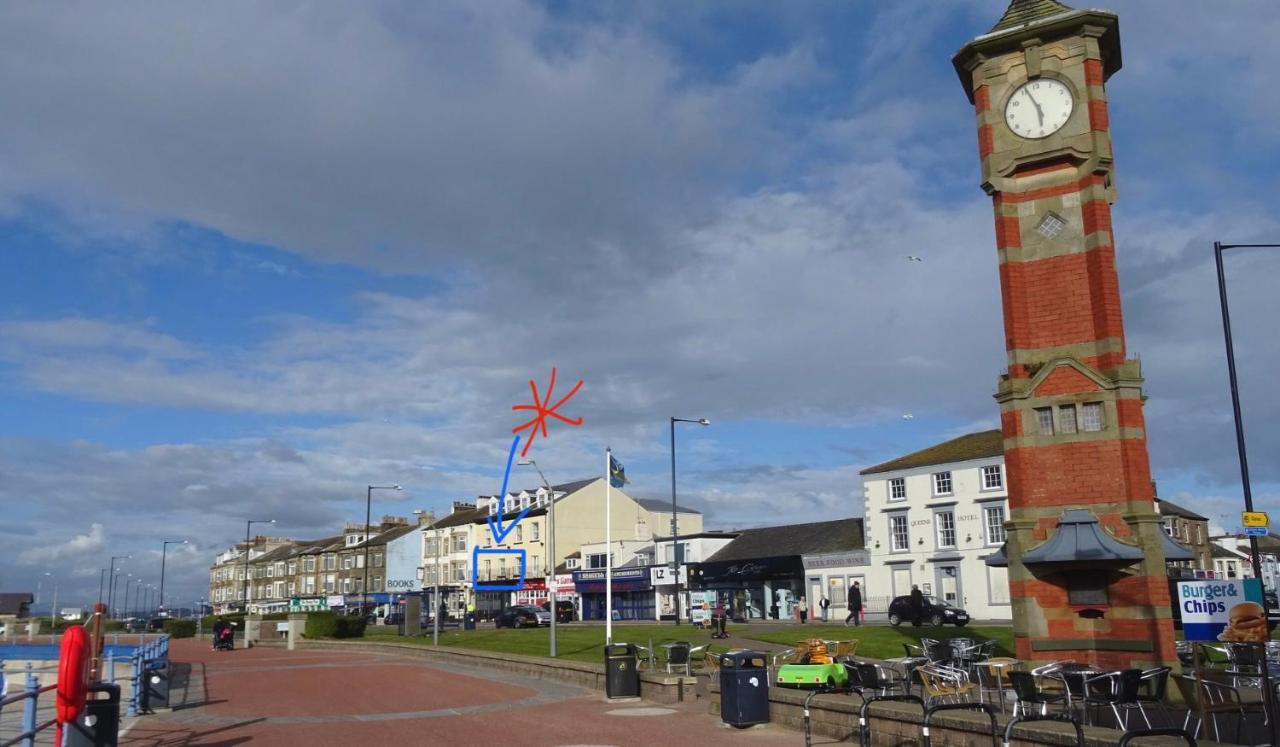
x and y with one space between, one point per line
308 604
661 575
1219 610
701 604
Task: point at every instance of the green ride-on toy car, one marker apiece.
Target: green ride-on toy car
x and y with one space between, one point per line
812 666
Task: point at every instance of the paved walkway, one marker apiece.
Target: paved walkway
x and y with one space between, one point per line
272 696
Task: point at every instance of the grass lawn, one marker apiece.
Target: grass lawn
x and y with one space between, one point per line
883 641
586 642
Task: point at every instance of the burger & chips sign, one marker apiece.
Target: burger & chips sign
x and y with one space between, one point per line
1222 611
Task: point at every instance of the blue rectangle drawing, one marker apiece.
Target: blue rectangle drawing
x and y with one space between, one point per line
499 586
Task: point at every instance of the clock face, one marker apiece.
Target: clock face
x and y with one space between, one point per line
1039 108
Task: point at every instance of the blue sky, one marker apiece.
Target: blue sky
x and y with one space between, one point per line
293 250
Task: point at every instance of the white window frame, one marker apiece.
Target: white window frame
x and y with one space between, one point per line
1062 419
989 530
537 532
1046 424
1086 410
893 534
897 482
938 478
987 471
941 528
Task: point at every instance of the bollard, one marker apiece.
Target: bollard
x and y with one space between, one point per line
137 683
29 709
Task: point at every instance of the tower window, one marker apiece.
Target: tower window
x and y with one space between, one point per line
1067 418
1051 226
1044 417
1091 416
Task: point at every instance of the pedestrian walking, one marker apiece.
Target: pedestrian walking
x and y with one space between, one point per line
823 604
804 611
855 605
917 605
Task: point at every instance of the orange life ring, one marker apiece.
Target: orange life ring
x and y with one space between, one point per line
73 677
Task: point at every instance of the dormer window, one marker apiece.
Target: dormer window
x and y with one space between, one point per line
493 506
524 501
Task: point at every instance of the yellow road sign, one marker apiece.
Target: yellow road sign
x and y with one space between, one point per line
1254 518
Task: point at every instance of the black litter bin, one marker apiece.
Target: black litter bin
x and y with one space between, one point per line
469 621
155 685
744 688
621 671
99 723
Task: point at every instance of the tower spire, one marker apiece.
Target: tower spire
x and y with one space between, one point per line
1026 11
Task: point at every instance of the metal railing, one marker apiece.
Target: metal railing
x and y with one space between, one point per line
147 656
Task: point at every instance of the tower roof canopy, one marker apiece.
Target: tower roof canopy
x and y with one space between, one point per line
1026 11
1081 539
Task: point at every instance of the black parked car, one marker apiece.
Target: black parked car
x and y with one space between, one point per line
156 625
520 617
933 612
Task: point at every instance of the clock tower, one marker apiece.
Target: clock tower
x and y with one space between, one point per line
1086 551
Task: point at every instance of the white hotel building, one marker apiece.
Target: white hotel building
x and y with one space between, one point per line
931 518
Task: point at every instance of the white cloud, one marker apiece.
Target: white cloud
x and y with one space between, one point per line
78 546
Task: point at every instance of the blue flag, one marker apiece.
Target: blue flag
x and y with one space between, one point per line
617 473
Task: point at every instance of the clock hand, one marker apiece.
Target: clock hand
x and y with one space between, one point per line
1039 111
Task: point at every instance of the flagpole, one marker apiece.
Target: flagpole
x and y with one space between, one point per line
608 545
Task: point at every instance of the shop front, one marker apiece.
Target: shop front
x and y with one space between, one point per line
758 589
832 575
532 593
633 597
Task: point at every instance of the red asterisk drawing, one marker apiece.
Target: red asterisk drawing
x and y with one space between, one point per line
540 406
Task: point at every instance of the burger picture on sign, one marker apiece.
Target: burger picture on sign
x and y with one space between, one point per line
1246 623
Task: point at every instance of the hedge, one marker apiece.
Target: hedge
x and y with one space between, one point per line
180 628
330 625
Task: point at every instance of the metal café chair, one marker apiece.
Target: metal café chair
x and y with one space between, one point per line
993 678
1029 694
941 683
1212 698
1117 691
875 678
1154 689
681 654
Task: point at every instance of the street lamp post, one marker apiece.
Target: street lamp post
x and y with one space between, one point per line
675 528
368 508
111 588
249 523
53 610
102 575
551 550
129 580
164 550
1268 694
435 594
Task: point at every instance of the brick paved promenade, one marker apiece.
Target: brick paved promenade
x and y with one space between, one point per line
270 696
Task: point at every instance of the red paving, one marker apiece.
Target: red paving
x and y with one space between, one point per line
269 696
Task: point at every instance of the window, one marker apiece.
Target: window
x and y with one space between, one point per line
570 563
1169 527
377 583
1067 418
330 562
271 571
900 537
346 585
1091 417
946 528
898 489
459 572
459 543
309 585
347 562
993 518
596 560
1196 535
535 566
942 483
519 533
992 477
502 567
431 547
359 560
309 565
1051 225
535 530
1044 417
377 560
280 568
293 567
